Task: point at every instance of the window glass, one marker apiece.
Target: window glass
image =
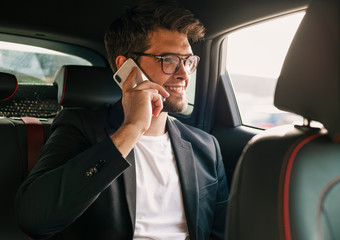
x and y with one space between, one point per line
191 94
255 55
33 64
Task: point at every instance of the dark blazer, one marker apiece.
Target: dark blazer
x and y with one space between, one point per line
82 188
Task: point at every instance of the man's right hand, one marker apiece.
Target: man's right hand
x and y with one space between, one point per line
140 104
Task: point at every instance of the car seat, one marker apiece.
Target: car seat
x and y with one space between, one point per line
287 182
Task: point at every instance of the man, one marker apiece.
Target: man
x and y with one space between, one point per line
130 171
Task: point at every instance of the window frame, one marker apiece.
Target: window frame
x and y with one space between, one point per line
95 58
224 78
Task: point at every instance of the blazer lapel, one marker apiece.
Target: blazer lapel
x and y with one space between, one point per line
129 176
188 176
129 179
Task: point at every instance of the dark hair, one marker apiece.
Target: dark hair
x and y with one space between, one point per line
130 32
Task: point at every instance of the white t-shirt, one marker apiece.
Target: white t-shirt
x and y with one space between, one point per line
159 211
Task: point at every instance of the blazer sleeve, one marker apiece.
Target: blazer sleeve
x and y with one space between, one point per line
218 229
69 175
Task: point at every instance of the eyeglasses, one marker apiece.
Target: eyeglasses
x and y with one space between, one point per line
172 62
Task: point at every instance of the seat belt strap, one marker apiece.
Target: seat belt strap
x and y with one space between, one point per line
35 140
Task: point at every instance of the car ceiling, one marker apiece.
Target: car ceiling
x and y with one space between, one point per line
83 22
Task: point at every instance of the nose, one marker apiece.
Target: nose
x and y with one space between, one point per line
181 73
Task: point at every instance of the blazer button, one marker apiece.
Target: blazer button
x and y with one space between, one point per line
95 169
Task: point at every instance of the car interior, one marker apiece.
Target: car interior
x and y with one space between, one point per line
284 181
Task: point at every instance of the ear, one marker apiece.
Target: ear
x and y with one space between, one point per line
120 60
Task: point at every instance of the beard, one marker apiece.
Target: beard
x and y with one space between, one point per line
175 104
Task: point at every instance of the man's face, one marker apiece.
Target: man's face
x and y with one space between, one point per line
163 42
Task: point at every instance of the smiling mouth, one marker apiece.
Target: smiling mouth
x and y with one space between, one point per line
177 90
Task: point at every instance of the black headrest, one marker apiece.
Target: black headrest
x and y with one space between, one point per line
8 85
86 86
309 84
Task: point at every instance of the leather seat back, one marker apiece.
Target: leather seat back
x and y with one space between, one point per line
79 87
12 166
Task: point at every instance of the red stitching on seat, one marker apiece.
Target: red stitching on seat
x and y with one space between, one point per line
322 195
287 231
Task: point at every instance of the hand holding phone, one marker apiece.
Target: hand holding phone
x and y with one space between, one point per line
140 101
123 72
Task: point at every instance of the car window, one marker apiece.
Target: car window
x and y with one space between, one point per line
255 55
191 94
34 64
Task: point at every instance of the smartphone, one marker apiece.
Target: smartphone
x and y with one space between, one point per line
123 72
